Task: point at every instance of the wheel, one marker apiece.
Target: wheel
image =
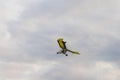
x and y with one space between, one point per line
66 54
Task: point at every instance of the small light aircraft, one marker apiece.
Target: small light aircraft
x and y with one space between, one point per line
63 47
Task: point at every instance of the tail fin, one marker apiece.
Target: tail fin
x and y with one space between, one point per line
74 52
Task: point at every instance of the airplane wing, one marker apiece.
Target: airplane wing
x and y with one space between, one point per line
74 52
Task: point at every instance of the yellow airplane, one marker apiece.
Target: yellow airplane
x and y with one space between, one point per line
63 47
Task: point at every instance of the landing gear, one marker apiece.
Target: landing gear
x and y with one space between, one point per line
61 53
58 52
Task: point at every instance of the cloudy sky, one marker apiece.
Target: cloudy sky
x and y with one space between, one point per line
29 30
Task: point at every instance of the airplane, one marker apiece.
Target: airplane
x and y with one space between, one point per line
62 45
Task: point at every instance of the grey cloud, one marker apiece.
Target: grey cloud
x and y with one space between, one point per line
50 9
111 52
87 27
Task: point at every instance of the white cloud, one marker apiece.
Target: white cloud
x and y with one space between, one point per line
107 71
85 71
22 71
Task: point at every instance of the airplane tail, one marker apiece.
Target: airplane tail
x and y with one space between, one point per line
74 52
